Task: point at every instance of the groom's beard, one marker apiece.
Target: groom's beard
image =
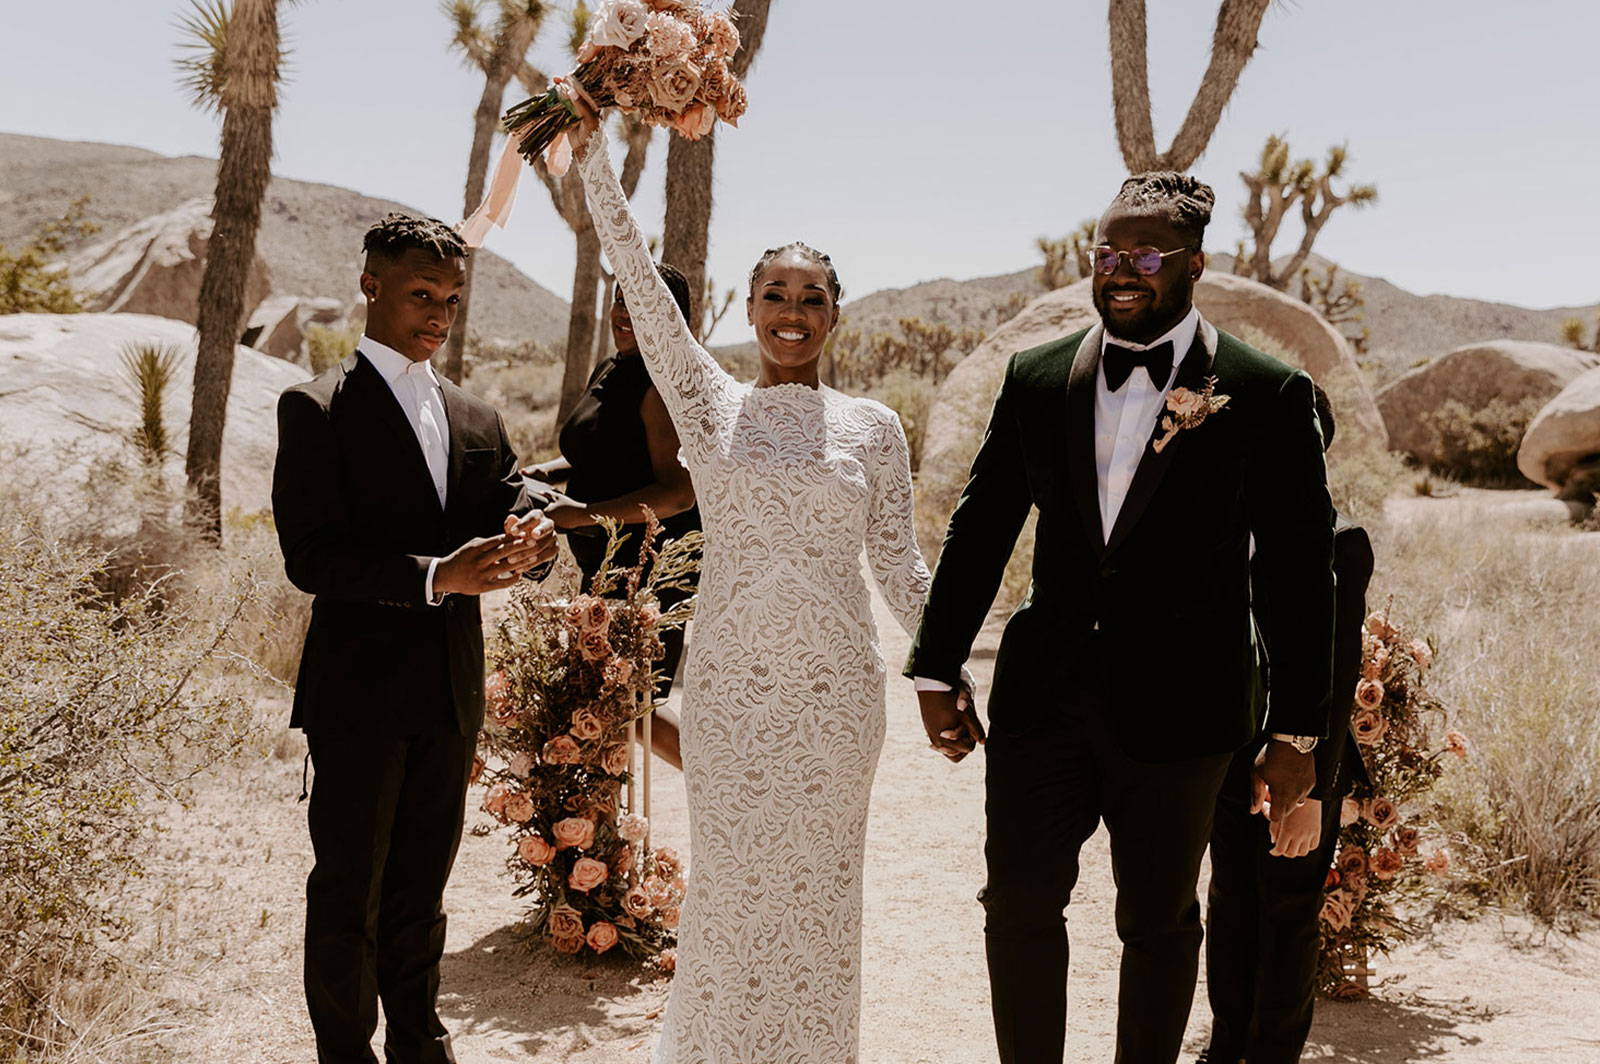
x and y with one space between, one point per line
1155 319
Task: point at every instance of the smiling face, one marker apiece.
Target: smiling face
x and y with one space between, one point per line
412 300
792 309
1135 307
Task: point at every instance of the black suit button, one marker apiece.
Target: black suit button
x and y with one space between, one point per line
1107 572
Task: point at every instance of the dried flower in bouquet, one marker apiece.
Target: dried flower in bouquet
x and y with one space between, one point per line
568 680
1382 855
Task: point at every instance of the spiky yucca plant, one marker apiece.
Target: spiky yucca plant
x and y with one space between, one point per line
150 369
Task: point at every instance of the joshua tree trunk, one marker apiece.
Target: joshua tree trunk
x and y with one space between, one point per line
687 239
581 324
1232 43
249 97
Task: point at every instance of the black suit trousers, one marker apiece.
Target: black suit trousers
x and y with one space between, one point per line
1046 794
1261 929
385 819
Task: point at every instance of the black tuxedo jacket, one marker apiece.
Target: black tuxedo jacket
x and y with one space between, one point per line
1338 758
1157 617
359 520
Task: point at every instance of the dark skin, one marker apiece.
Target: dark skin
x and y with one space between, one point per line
1139 309
412 302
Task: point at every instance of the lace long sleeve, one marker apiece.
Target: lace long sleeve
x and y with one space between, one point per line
892 549
693 385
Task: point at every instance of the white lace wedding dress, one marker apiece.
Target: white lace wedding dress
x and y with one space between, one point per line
783 714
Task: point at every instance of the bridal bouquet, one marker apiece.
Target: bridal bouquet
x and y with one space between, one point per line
1381 856
664 60
570 680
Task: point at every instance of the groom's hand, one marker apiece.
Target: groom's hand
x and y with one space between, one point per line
951 722
1282 778
488 564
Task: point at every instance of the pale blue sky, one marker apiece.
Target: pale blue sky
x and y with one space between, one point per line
924 140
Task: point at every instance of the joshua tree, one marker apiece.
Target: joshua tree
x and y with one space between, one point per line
149 370
1275 188
234 68
687 239
1339 302
496 54
1067 259
1233 42
714 309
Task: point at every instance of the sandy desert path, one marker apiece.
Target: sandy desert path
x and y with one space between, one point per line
224 901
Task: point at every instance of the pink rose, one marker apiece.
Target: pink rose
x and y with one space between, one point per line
1351 862
586 726
673 85
1185 403
602 936
733 104
724 36
669 865
670 38
659 891
669 917
497 697
594 646
636 903
565 922
618 23
1437 863
614 760
1368 726
666 5
1381 813
631 828
1349 812
575 832
562 750
1337 908
1378 625
587 873
1369 694
622 861
1386 863
535 851
618 672
519 808
1456 743
521 763
568 946
1421 653
494 802
1405 841
649 615
667 960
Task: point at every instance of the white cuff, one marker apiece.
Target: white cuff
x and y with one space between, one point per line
427 586
925 684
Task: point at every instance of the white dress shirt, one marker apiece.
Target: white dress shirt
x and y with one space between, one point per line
417 390
1123 423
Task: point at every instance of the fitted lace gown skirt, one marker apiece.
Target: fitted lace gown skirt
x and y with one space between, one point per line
783 722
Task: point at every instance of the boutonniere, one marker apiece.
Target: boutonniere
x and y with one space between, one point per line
1188 410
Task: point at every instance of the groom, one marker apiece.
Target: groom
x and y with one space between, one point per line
391 490
1132 671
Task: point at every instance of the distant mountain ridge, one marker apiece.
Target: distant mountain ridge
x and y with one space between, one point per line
310 233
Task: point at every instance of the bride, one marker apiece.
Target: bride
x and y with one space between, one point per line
783 715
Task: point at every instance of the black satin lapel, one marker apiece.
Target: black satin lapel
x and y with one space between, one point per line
455 414
1153 465
1081 472
381 398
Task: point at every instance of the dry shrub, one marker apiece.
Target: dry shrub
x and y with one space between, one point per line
911 397
1482 443
525 386
1512 614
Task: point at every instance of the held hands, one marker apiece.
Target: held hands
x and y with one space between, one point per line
1298 833
488 563
951 721
1282 778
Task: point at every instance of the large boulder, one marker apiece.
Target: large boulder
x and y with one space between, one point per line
278 326
1561 448
1519 374
67 400
154 267
1283 326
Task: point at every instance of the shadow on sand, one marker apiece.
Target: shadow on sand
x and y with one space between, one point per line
1392 1031
540 1001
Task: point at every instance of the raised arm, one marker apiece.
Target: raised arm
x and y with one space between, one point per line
694 386
892 551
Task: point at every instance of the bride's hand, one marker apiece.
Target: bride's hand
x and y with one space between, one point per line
588 120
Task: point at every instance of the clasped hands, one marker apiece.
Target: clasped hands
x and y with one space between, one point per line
951 720
1280 781
491 562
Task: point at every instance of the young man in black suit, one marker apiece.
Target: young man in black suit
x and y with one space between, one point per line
1266 883
392 492
1132 672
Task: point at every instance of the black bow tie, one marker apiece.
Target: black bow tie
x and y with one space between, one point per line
1119 362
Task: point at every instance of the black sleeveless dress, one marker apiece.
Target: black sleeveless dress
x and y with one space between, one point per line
604 440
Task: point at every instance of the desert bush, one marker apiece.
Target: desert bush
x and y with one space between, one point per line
1482 441
911 397
1511 614
30 282
524 384
327 345
109 707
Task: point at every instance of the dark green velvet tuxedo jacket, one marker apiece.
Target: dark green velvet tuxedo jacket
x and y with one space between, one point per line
1156 617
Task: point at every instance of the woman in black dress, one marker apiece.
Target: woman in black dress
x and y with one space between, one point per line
619 452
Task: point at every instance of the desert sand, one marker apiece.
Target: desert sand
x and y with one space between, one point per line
226 894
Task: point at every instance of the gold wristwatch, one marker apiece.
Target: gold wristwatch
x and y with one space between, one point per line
1303 744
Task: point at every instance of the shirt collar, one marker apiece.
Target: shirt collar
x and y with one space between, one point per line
390 363
1182 337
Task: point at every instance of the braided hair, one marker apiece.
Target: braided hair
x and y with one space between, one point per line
399 233
809 252
1184 198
